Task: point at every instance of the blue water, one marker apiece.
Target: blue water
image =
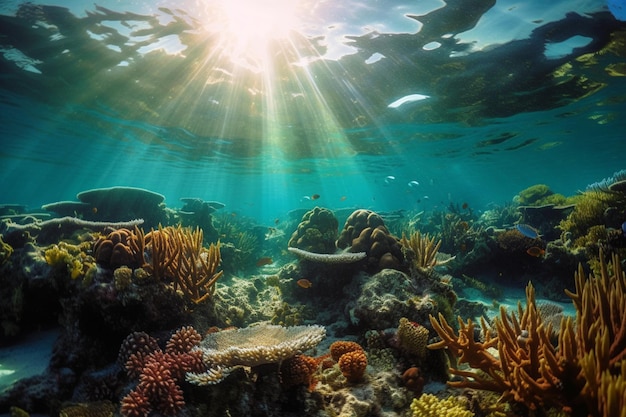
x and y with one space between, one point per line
169 97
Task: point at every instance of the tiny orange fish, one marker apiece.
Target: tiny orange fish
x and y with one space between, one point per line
315 196
264 261
304 283
535 251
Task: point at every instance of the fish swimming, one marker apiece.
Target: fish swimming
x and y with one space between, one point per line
389 179
264 261
413 183
528 231
304 283
535 251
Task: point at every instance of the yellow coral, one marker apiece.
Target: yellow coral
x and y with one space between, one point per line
413 337
5 251
428 405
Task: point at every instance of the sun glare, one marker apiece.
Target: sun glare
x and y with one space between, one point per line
250 26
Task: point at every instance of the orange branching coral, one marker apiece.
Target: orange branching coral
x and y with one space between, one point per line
339 348
585 372
177 254
353 364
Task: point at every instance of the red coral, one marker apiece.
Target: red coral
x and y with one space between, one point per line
413 380
183 340
159 374
299 370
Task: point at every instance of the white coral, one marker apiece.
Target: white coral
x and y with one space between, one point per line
252 346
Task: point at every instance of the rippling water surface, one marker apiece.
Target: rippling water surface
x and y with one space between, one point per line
377 104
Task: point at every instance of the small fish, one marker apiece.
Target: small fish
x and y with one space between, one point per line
624 228
343 198
304 283
315 196
413 183
527 231
94 210
276 220
305 197
389 179
264 261
535 251
465 206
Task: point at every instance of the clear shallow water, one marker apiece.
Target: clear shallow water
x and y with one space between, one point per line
474 100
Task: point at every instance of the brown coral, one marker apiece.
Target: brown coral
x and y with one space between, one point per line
299 370
177 254
365 231
353 364
339 348
424 249
123 247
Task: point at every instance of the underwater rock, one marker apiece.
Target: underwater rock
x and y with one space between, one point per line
384 299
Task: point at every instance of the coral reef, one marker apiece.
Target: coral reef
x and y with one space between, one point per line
299 370
539 195
316 232
223 351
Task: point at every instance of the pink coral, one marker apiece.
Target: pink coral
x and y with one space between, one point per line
159 374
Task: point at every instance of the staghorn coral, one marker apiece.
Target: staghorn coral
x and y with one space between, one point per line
413 337
252 346
159 372
428 405
353 365
424 249
177 254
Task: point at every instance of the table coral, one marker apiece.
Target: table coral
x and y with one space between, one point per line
252 346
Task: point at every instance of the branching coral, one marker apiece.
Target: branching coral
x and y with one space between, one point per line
177 254
159 373
424 247
584 373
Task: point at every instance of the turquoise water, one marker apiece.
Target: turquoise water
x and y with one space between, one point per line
383 105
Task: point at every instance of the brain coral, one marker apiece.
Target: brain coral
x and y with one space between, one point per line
252 346
353 365
365 231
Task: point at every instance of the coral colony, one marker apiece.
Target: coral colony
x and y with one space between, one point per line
168 312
